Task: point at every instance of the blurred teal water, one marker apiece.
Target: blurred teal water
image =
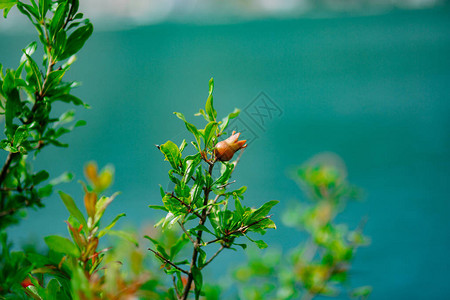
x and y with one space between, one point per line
374 89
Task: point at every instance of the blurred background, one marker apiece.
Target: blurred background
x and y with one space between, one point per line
368 80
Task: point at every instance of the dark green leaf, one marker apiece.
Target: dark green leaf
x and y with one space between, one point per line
76 40
175 249
20 135
58 18
263 211
35 72
61 245
40 176
198 281
43 7
72 208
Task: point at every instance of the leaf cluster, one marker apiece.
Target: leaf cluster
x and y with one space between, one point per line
27 95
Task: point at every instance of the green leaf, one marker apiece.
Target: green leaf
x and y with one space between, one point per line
45 191
72 208
198 281
58 18
190 127
124 235
7 4
172 153
110 226
63 178
40 176
101 206
226 174
227 119
62 245
175 249
27 10
239 209
261 244
159 247
53 79
209 133
68 98
53 289
209 107
201 257
202 228
362 292
36 73
263 211
43 7
20 135
76 40
158 207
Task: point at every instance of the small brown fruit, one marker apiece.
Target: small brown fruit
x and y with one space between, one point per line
225 149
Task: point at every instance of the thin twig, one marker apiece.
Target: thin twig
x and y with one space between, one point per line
5 168
168 261
241 229
214 256
226 184
202 221
212 204
185 204
175 286
187 233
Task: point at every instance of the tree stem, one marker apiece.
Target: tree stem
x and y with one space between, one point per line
202 221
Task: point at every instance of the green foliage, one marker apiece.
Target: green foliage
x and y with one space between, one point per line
14 268
27 95
320 266
199 203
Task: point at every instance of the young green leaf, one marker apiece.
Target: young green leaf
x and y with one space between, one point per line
263 210
72 208
189 127
62 245
209 107
171 153
110 226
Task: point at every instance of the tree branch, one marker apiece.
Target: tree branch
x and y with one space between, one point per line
202 221
187 233
5 168
214 256
241 229
185 204
168 261
175 287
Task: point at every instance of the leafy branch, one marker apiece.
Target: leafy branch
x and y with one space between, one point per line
28 93
201 195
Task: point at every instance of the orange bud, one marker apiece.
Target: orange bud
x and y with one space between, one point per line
90 199
225 149
90 171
